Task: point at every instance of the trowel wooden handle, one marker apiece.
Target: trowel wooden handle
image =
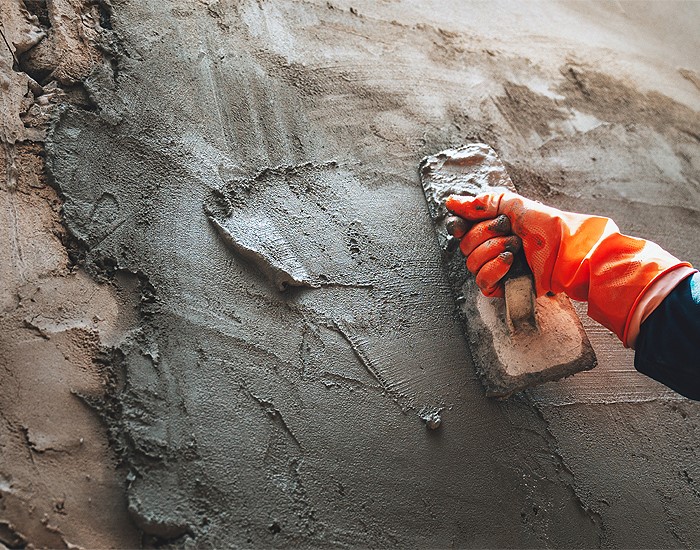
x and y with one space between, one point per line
519 286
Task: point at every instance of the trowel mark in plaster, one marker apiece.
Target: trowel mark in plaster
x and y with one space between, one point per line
319 341
565 474
289 222
430 414
283 459
273 413
357 344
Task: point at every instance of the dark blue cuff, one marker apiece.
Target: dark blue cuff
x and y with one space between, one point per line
668 345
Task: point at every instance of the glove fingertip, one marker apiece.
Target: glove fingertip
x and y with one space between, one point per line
481 207
494 292
506 257
457 204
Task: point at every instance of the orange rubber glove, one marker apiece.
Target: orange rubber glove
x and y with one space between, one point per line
622 278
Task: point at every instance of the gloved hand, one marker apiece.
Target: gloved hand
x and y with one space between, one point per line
585 257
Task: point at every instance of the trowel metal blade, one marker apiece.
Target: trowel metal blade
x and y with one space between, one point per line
507 362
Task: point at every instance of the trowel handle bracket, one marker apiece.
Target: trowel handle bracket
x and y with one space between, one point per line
519 267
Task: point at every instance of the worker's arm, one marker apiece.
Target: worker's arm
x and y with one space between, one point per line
668 345
632 286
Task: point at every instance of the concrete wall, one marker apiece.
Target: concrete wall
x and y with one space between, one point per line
248 404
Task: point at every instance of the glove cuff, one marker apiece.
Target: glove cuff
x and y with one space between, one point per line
621 270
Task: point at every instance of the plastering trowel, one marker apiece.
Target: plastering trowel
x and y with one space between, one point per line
520 340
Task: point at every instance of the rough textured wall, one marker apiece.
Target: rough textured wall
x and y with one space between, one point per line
242 187
59 482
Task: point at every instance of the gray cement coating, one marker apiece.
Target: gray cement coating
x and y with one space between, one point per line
236 147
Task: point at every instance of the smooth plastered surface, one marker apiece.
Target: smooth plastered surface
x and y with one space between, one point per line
226 144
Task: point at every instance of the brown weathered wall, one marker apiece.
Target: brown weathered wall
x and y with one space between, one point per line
244 415
60 482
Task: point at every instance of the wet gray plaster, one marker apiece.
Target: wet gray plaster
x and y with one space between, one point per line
254 416
292 223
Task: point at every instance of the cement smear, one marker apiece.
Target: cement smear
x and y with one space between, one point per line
238 147
291 223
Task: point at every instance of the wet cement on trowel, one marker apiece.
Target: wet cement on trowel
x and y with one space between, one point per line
239 149
521 340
